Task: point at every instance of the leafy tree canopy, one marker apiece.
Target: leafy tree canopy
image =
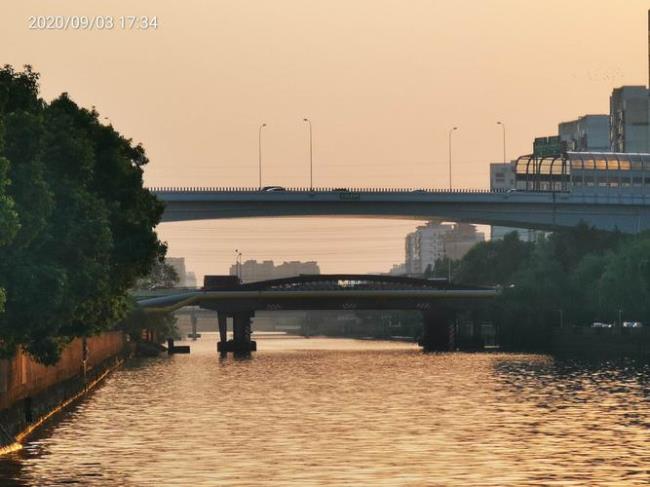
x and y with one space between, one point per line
86 223
162 275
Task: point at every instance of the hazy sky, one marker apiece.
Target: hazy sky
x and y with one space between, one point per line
381 80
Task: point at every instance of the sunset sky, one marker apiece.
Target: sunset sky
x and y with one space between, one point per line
382 82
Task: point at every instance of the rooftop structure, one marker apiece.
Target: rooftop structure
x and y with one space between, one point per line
589 133
584 171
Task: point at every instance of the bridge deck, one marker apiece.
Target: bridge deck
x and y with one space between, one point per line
623 209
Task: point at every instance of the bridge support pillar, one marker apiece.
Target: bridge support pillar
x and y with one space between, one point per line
241 341
223 328
438 331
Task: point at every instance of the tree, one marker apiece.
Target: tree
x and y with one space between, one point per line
86 222
494 262
625 282
8 217
571 245
529 307
162 275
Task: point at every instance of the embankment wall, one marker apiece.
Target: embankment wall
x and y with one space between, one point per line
29 391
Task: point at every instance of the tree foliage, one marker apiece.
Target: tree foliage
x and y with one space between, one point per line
572 277
493 262
86 230
162 275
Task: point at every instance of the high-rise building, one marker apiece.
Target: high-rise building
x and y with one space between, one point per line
589 133
460 239
398 270
190 279
185 278
435 241
628 111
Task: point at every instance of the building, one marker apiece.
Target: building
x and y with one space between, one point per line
628 111
589 133
397 270
251 270
424 247
502 176
190 279
460 239
185 279
178 263
435 241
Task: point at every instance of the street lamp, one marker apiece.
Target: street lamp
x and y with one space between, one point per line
238 256
311 159
451 130
259 149
503 126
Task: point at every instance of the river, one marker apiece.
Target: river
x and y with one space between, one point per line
311 412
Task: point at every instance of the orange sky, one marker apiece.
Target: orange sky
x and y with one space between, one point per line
381 80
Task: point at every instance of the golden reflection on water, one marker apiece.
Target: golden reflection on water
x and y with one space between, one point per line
345 412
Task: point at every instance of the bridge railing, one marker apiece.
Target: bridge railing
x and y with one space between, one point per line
241 189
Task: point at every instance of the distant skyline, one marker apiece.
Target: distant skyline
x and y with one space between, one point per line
382 82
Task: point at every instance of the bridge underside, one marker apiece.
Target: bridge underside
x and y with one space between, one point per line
438 312
436 299
543 215
438 318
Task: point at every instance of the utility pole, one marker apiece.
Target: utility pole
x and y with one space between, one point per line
503 126
259 149
451 130
311 156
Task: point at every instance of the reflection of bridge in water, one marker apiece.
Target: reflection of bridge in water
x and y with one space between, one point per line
436 299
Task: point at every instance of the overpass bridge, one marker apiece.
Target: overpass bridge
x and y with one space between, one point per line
627 211
437 300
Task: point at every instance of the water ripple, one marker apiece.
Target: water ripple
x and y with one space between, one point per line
343 412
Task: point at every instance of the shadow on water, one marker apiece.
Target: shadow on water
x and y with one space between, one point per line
569 381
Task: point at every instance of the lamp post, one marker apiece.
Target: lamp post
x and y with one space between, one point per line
259 150
238 256
451 131
503 126
311 158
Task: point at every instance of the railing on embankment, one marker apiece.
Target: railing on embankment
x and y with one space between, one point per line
30 391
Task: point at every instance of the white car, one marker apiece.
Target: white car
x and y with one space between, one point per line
632 324
598 324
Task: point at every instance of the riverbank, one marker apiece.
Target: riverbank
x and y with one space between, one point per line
31 393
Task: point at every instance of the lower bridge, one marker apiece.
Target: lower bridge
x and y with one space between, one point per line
437 300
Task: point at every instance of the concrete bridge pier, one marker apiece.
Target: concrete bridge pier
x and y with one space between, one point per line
223 328
437 331
241 341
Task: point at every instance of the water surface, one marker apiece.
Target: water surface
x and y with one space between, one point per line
311 412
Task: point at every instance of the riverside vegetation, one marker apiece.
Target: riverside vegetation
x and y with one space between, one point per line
575 276
77 226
